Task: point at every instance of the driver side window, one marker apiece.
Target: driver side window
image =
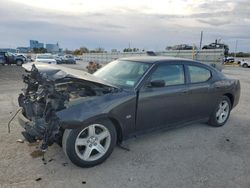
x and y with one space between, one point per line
170 74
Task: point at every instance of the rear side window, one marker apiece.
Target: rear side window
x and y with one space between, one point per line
198 74
171 74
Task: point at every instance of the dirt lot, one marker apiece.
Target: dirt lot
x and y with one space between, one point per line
193 156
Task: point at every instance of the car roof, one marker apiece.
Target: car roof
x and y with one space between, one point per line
156 59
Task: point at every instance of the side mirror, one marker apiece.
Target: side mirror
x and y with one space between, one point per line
157 83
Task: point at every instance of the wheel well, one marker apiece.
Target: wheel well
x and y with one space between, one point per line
118 128
19 60
231 97
112 120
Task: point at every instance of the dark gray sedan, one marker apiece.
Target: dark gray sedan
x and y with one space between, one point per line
89 114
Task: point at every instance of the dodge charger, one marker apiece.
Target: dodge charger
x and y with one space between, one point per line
88 114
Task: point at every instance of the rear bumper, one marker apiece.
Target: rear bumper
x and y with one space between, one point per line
237 93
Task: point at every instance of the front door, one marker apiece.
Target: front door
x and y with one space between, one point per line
10 59
165 104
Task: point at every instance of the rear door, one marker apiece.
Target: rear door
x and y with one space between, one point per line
160 106
202 97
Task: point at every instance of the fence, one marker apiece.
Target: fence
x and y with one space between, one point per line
208 56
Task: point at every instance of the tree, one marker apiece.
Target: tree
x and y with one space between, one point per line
40 50
127 50
239 54
81 51
135 49
84 50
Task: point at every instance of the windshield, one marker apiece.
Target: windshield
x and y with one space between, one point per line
122 73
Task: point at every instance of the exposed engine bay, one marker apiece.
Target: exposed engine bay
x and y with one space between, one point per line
44 95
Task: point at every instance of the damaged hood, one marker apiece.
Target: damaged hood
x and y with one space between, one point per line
55 72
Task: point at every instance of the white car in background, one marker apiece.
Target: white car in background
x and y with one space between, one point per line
45 58
245 63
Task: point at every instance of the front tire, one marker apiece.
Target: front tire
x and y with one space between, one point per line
19 62
90 145
221 113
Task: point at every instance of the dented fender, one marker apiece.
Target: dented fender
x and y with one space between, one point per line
115 106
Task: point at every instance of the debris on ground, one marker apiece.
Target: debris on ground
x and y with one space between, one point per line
20 140
51 160
38 179
65 164
36 154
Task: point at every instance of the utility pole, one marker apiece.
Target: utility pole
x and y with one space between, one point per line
201 39
235 50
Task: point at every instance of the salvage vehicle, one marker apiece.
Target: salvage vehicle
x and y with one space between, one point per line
64 59
68 59
45 58
182 47
89 114
228 60
10 58
217 45
245 63
58 59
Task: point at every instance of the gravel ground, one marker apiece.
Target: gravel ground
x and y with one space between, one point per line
193 156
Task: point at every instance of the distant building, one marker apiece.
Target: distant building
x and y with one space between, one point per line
23 49
52 48
114 50
12 50
36 44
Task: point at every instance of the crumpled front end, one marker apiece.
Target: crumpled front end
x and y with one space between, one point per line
42 98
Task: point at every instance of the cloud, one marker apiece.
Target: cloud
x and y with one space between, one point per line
215 21
117 26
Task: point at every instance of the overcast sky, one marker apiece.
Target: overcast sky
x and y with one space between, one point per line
148 24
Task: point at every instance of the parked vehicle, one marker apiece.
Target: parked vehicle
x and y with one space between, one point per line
21 56
68 59
245 63
10 58
58 59
2 59
229 60
45 58
89 114
78 58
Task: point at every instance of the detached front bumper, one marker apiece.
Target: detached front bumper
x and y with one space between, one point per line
38 129
23 121
31 133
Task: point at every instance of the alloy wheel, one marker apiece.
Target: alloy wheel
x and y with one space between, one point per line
222 112
92 142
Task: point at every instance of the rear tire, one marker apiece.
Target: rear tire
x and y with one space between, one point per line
221 113
90 145
245 65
